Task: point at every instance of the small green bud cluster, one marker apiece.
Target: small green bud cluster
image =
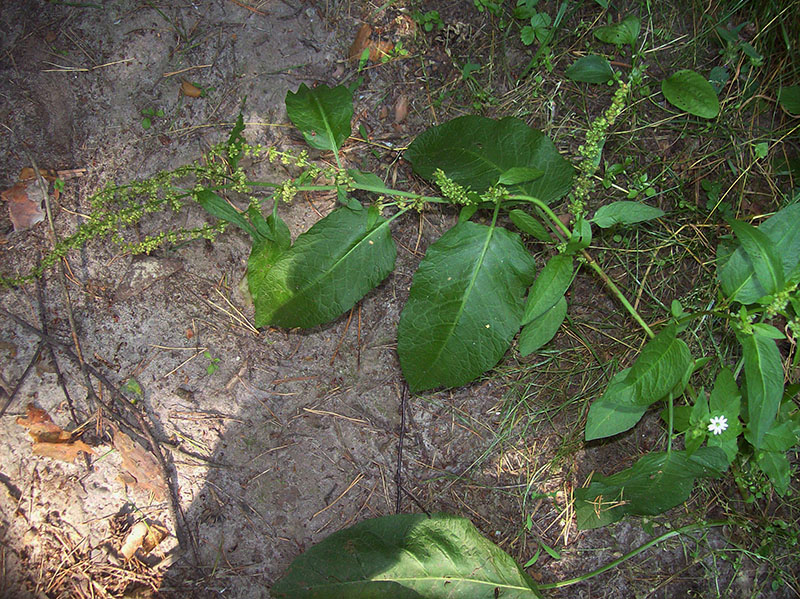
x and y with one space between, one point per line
494 195
450 189
781 300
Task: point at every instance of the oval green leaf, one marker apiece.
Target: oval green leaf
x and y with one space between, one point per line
322 114
763 254
476 151
789 98
464 307
590 69
763 371
528 224
616 411
735 269
621 33
654 484
549 287
690 91
406 556
625 213
540 331
328 269
660 367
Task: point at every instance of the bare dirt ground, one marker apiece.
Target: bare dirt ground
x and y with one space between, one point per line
272 439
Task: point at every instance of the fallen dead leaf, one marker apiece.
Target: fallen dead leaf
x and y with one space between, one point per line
142 535
28 173
191 90
401 109
377 48
140 466
49 439
24 201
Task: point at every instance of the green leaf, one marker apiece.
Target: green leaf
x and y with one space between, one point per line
475 151
735 268
781 437
616 411
625 213
659 367
406 556
519 174
322 114
654 484
369 180
590 69
763 255
528 224
330 267
776 466
538 332
690 91
549 287
464 307
621 33
581 237
220 208
763 380
789 98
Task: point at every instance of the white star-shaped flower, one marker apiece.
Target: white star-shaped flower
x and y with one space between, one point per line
717 425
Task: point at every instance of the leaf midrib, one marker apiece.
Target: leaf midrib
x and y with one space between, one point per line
334 147
421 579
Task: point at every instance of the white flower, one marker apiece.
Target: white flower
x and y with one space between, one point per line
717 425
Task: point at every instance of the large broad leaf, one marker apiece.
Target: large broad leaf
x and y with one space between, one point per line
735 268
763 380
542 329
330 267
476 152
625 213
659 368
656 483
406 556
464 307
590 69
624 32
616 411
691 92
322 114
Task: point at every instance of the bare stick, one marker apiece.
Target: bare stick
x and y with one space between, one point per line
398 477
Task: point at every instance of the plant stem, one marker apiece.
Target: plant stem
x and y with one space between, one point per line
667 535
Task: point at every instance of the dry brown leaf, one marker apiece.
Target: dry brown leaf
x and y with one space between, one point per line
27 173
24 204
66 452
401 109
377 48
360 43
49 439
191 90
41 427
142 535
140 465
